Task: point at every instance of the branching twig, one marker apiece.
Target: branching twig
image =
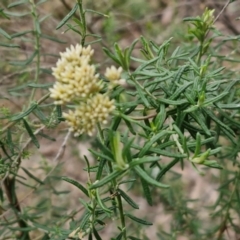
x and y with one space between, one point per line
9 184
55 160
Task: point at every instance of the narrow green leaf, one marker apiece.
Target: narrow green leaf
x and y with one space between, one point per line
191 109
198 145
101 204
229 106
19 34
105 149
100 155
203 141
98 13
96 235
161 117
180 90
20 116
157 80
25 184
152 73
90 237
78 22
9 141
40 115
100 168
179 132
128 56
237 194
220 123
17 3
215 99
145 159
178 76
154 139
133 238
9 45
38 85
172 102
212 164
127 181
5 34
112 56
59 113
119 236
2 13
21 87
138 220
17 14
141 93
120 55
76 184
166 152
167 168
73 29
129 126
46 136
147 178
53 39
26 62
68 16
30 133
107 179
32 176
128 199
43 18
146 192
197 116
84 220
145 64
2 145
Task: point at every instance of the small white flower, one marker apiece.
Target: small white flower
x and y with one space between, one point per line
113 74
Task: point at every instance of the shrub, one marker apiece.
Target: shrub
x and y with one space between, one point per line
147 115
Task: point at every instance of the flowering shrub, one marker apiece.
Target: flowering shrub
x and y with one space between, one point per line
148 118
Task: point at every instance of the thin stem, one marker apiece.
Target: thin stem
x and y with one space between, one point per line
115 185
89 27
122 218
223 9
10 190
83 20
37 45
223 226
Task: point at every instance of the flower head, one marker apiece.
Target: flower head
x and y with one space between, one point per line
75 75
88 114
113 74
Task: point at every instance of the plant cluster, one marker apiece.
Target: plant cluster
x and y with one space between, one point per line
176 109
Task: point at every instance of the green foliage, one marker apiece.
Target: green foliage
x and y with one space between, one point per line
178 109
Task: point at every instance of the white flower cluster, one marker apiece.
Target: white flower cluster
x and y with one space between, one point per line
75 76
78 83
88 114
